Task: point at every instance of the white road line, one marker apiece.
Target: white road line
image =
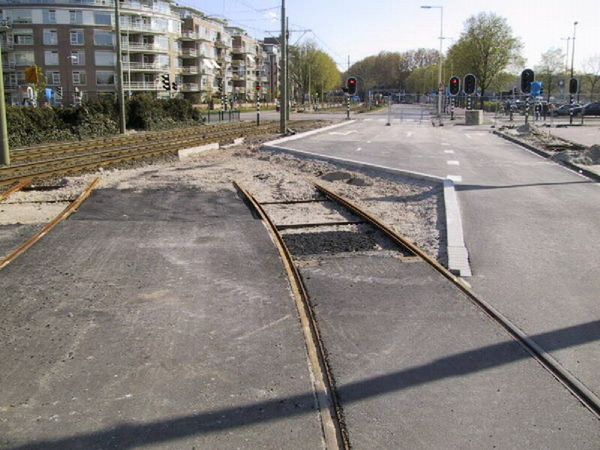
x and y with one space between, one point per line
368 142
344 133
445 143
358 149
456 178
453 163
468 135
448 151
409 133
381 120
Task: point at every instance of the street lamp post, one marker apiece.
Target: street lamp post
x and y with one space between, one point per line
440 89
573 52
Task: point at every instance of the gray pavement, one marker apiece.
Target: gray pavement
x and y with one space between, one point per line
141 323
531 227
418 366
588 135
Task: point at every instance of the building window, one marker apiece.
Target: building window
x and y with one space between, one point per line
75 17
105 78
51 58
50 37
79 78
104 58
24 58
53 78
103 37
49 16
102 18
23 37
76 37
78 58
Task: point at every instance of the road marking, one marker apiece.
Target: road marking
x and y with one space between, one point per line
448 151
368 120
445 143
456 178
468 135
453 163
344 133
381 120
368 142
358 149
409 133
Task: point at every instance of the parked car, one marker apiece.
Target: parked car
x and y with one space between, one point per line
589 109
563 110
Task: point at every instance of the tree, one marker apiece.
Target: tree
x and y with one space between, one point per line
591 68
312 71
486 48
550 68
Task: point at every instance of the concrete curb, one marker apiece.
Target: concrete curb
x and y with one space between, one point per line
309 133
581 170
458 256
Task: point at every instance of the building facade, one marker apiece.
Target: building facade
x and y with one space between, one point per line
163 45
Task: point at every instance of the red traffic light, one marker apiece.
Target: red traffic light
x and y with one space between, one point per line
258 87
454 80
351 81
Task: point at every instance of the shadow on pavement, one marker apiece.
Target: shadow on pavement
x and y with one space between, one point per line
130 435
476 187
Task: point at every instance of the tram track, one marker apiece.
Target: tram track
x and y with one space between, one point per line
356 217
50 160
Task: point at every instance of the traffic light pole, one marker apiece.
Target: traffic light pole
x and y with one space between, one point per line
121 93
257 109
4 148
284 85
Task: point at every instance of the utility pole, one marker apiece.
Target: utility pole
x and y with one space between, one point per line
5 152
121 94
284 85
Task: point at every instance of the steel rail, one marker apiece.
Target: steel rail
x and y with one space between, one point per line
59 218
20 185
334 430
576 387
80 162
135 140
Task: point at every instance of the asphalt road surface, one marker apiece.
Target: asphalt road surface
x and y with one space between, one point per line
532 227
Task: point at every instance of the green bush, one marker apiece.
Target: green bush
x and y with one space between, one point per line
95 118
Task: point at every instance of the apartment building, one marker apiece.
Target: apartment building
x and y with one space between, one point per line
73 41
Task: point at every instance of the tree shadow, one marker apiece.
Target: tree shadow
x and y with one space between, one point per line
130 435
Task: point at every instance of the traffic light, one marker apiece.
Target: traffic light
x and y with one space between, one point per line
573 86
257 87
351 84
527 77
454 86
59 91
220 86
166 81
470 84
174 86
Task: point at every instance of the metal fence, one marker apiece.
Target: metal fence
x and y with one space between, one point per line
220 116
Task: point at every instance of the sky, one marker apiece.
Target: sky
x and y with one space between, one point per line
360 28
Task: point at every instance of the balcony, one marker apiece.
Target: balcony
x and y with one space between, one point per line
189 36
145 67
190 87
6 45
141 86
8 66
191 70
221 44
192 52
142 27
141 47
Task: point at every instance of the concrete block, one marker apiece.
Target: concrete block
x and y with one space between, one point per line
474 117
187 153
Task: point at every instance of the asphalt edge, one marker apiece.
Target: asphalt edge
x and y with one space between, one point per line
458 255
580 170
309 133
